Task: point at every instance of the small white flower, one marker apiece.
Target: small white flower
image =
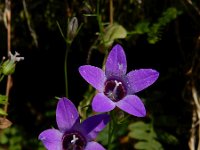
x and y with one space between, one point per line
15 57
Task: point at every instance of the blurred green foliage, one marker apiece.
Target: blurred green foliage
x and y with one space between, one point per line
154 30
146 135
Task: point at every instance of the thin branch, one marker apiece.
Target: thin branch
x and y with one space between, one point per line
194 6
32 31
8 17
111 11
197 104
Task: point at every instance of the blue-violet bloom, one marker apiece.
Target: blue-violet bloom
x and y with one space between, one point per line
73 134
115 87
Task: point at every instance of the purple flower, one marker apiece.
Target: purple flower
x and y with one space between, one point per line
115 87
73 135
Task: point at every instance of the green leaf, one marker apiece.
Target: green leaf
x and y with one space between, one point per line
138 126
144 145
148 145
139 135
114 32
141 131
4 139
2 112
142 27
142 135
3 99
154 34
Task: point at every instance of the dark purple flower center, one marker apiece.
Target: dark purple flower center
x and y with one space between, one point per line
73 141
115 90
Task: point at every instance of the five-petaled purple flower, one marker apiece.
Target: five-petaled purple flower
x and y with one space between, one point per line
115 87
73 135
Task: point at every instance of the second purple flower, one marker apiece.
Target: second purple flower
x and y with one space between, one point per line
71 133
115 87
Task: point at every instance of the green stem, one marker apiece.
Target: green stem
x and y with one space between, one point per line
68 43
101 34
109 134
111 128
65 68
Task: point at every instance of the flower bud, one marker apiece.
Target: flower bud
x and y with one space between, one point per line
72 29
8 66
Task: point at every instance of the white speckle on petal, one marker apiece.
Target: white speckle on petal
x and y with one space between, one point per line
120 66
42 138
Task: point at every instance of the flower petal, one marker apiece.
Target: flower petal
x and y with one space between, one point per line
94 145
94 76
66 114
116 62
132 105
93 125
52 139
101 103
141 79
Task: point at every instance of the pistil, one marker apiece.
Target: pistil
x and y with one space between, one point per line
73 141
114 90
